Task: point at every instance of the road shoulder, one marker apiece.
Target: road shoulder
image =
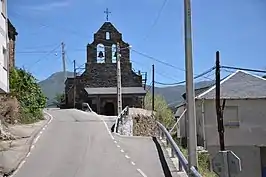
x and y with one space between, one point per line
13 152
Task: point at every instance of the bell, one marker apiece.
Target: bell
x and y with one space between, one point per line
115 54
100 55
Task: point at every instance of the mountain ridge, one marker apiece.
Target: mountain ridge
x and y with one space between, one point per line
54 84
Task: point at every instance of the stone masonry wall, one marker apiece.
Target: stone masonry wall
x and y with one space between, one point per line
104 75
11 54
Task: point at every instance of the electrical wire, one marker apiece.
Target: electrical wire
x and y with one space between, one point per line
182 82
44 57
156 20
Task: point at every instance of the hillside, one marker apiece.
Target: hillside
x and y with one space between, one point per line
54 85
173 95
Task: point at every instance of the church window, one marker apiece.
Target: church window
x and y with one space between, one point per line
100 53
113 53
107 35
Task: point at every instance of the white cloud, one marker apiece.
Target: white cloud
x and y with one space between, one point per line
50 6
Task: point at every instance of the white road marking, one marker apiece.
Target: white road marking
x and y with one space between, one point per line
141 172
36 139
33 146
126 156
28 155
109 132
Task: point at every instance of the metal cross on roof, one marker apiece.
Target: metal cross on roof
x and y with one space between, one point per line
107 12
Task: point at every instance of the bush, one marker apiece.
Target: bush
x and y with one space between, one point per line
25 88
163 112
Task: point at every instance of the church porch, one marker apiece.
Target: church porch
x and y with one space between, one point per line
104 100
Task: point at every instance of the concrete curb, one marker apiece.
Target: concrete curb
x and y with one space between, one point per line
29 142
133 137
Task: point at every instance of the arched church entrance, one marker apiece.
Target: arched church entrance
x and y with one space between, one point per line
109 109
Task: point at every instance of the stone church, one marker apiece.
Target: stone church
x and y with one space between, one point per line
97 85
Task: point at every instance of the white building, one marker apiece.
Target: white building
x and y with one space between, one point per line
244 118
4 81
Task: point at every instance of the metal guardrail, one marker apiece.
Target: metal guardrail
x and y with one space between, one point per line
183 163
120 118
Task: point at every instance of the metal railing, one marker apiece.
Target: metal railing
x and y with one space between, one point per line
182 161
119 118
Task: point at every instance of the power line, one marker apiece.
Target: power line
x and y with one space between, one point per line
47 54
156 20
182 82
162 62
244 69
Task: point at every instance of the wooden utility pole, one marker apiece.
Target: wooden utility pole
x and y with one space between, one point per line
119 84
219 111
74 85
64 60
152 87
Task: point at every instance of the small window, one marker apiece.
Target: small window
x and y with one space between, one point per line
107 35
5 58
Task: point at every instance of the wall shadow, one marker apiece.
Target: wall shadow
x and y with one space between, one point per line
166 170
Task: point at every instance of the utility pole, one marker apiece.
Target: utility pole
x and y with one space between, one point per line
152 87
74 85
219 112
190 98
119 85
64 60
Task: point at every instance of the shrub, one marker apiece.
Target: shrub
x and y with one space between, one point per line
25 88
163 112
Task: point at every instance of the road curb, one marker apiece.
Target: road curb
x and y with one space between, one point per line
29 142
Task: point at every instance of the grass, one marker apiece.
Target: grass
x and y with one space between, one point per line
203 160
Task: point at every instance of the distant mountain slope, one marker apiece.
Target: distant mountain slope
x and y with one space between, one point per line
173 95
54 84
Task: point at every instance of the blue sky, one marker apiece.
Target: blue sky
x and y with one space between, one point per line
235 28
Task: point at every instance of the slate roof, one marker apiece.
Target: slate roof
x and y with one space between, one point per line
239 85
113 90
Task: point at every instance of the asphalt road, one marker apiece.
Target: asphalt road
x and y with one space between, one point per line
77 144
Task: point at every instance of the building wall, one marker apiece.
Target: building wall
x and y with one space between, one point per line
11 54
250 159
251 115
246 133
4 84
105 75
12 33
182 126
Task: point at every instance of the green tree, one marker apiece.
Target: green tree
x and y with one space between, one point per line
29 94
163 112
59 97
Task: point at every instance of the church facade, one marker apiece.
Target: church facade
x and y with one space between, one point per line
97 85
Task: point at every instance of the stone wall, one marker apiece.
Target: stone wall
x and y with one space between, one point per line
11 54
12 33
104 75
